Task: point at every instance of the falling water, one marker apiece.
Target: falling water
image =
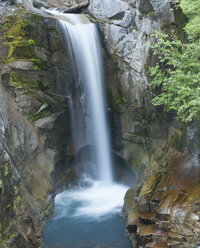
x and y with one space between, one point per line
90 211
84 40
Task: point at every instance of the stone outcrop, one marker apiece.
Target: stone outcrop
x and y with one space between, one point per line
164 212
33 116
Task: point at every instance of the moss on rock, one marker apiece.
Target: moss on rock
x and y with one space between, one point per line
178 140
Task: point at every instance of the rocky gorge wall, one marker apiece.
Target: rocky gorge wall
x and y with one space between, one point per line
162 208
35 113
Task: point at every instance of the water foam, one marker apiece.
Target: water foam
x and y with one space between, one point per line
94 202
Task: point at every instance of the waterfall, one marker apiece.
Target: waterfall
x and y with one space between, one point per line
91 212
88 114
83 39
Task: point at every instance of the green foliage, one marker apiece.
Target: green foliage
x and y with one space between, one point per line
16 36
15 31
177 74
115 101
191 8
35 116
40 65
21 80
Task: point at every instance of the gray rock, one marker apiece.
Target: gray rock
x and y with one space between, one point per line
165 14
132 3
48 159
158 3
126 20
112 10
62 3
46 122
32 140
22 65
40 53
18 136
2 126
26 145
25 103
19 240
27 2
145 6
5 70
39 4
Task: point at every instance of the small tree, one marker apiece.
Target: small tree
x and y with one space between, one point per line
177 72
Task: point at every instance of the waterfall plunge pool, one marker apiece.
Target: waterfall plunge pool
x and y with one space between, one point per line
87 218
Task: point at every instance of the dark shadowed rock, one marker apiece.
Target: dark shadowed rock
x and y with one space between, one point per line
145 6
121 171
19 241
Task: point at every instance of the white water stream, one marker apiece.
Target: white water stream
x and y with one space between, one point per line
104 195
103 198
86 49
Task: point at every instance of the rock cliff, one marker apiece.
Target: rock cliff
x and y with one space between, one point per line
159 212
162 209
34 142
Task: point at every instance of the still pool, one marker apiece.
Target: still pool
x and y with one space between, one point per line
87 218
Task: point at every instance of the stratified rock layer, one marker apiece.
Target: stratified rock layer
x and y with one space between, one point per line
147 137
33 117
164 212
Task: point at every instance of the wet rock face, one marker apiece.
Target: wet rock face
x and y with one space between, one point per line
165 210
143 135
136 125
33 137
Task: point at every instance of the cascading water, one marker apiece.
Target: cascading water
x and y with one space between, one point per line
91 212
86 49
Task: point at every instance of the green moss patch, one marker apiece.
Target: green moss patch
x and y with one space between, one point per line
178 141
17 37
11 202
42 114
150 186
